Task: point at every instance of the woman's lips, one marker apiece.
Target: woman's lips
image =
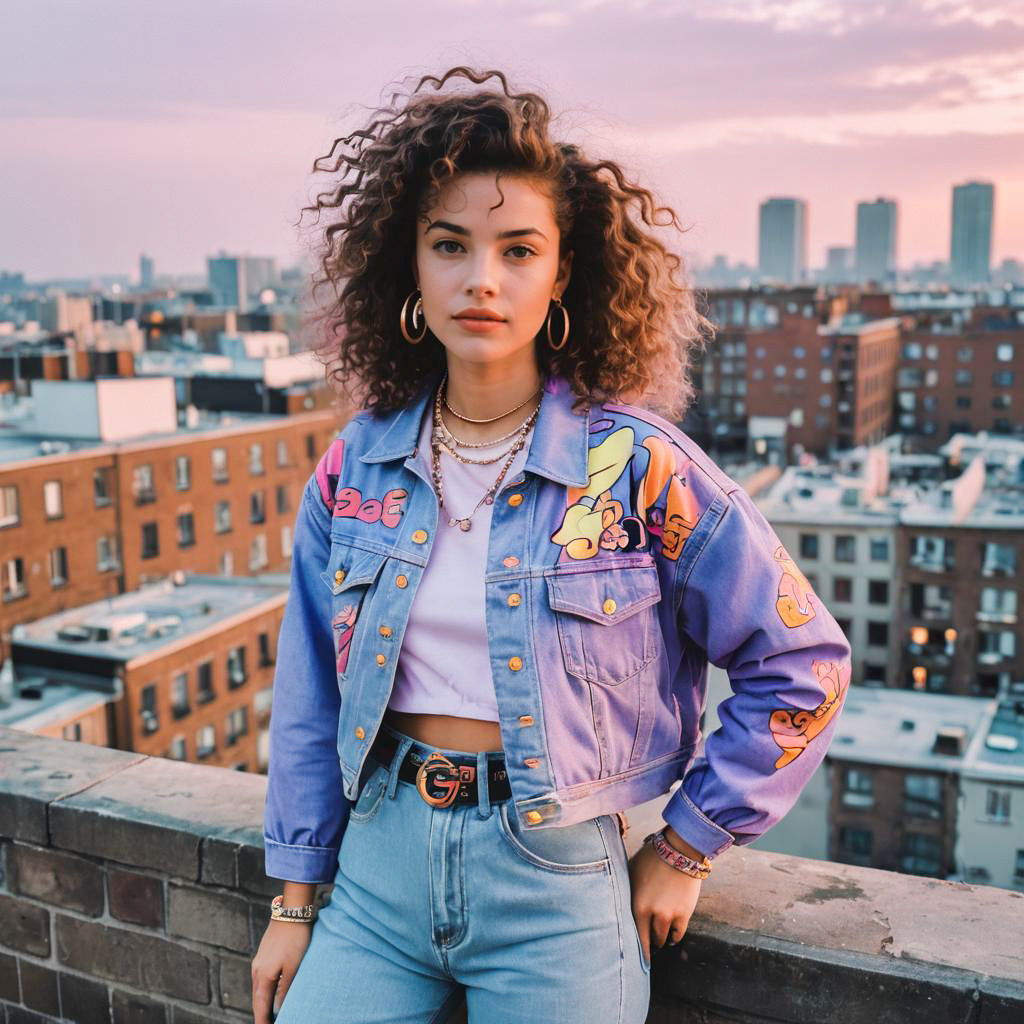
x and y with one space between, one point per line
472 323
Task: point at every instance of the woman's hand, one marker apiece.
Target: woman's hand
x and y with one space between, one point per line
663 896
280 952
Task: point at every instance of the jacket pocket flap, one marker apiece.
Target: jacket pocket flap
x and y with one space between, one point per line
623 590
351 567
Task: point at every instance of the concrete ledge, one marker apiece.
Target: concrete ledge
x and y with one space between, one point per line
135 885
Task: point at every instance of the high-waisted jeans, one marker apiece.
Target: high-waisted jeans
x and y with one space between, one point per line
434 906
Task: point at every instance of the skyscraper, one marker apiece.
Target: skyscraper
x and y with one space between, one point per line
971 244
782 241
145 271
876 240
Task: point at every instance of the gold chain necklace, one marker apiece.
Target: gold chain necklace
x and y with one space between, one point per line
463 523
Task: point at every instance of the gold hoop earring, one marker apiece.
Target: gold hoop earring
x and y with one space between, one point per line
417 312
565 330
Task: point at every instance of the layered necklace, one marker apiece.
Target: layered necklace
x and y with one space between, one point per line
443 440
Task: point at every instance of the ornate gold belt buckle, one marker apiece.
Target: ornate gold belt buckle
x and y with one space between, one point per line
437 772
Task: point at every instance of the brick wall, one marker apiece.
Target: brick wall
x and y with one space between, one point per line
132 892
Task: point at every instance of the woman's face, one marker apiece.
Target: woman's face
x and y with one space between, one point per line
504 260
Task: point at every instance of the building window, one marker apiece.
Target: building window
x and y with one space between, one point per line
842 588
1018 867
222 517
878 634
102 486
997 806
58 566
264 648
186 530
237 674
227 563
996 645
72 731
257 507
256 459
963 378
998 559
808 545
143 489
920 855
282 454
150 541
258 552
286 541
855 842
182 472
1004 352
310 447
9 513
933 554
177 748
912 350
220 464
998 605
965 354
845 548
878 591
179 695
922 796
1002 379
204 682
858 788
930 601
150 722
237 725
53 499
14 579
206 741
282 499
108 557
879 549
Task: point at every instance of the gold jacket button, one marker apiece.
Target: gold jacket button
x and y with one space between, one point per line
531 762
385 631
510 562
401 581
381 659
514 600
339 576
533 817
515 499
360 732
515 663
609 606
419 536
526 719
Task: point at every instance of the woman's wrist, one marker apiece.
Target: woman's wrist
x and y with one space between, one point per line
676 841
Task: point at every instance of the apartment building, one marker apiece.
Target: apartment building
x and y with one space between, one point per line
101 490
182 668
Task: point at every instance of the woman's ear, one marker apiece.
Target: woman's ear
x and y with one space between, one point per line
564 270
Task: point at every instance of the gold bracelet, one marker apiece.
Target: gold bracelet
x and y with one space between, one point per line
302 915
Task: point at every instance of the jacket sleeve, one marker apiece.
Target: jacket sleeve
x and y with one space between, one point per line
306 812
748 606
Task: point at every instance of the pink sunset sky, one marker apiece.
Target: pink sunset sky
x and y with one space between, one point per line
182 128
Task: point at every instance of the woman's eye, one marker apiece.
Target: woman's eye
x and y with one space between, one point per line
525 248
445 241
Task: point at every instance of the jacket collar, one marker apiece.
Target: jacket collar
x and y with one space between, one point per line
558 448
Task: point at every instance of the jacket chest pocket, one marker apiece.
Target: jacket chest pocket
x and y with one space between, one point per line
607 626
349 575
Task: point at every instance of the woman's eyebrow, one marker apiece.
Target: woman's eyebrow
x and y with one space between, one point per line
458 230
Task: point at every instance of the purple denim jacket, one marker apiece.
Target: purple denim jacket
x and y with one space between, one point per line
621 561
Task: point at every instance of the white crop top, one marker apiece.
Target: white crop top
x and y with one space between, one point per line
444 666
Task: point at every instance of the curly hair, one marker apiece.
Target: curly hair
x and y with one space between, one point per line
635 322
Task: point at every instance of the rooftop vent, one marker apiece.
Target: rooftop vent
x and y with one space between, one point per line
907 725
950 740
1002 742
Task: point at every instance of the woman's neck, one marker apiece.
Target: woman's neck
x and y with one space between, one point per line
483 399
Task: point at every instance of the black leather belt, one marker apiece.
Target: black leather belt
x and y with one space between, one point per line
440 780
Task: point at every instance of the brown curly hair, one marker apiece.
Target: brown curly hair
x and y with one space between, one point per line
634 325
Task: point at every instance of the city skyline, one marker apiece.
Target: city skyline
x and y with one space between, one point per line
114 150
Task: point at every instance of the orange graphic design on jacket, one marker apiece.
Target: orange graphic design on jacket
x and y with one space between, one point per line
794 604
792 729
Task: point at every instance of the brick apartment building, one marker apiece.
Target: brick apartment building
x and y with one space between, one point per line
103 491
182 668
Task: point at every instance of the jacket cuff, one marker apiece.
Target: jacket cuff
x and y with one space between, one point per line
317 864
694 826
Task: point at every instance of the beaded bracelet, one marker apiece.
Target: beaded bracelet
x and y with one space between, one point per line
282 913
672 856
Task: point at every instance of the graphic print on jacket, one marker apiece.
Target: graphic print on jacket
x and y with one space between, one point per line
596 521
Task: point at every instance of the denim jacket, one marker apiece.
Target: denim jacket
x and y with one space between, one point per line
621 560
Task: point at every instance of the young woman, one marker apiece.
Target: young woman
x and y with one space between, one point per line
507 583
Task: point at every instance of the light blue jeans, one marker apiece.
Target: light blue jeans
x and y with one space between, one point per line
435 906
